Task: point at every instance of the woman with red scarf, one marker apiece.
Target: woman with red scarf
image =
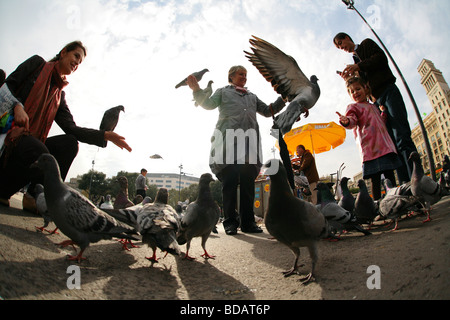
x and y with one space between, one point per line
38 86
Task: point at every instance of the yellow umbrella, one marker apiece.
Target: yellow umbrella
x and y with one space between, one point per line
316 137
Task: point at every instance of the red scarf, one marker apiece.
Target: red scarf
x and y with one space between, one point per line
43 101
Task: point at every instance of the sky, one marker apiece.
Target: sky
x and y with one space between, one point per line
138 50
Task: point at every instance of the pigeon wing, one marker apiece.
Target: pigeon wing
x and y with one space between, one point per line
281 70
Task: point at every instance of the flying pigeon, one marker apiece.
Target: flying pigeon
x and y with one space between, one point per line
365 208
122 200
336 215
422 186
200 218
110 119
347 200
41 207
156 156
159 223
75 215
393 206
287 79
207 92
198 75
292 221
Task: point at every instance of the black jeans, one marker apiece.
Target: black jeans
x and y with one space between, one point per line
231 176
16 172
398 128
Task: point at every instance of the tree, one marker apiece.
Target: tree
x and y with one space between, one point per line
94 183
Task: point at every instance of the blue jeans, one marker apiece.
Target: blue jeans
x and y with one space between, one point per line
398 128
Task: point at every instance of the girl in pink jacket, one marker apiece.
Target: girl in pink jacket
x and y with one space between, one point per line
378 151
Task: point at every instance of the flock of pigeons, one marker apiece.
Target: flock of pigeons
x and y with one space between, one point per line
157 224
290 220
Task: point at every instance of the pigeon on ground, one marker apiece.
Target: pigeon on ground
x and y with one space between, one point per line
107 204
287 79
200 218
422 186
365 208
110 119
337 216
41 207
207 92
292 221
75 215
159 223
198 75
393 206
347 200
122 200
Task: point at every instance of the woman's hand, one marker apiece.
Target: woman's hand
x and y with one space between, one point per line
21 117
117 140
192 83
345 121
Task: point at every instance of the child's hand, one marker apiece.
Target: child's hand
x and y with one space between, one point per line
382 108
345 121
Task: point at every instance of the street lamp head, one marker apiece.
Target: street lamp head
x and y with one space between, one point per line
349 3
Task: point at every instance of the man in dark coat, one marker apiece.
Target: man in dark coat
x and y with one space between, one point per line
371 64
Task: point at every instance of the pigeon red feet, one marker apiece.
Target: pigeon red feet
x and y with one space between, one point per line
187 257
153 258
206 255
42 229
125 243
77 258
428 219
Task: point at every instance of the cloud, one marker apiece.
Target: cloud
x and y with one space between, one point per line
139 50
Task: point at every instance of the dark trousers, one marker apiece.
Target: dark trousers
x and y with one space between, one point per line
141 192
376 182
398 128
231 176
16 172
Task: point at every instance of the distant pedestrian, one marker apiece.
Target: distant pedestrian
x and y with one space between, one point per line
141 183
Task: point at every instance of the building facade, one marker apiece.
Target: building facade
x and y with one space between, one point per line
437 123
170 180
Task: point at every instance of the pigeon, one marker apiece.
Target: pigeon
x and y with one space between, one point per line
365 208
158 224
347 200
287 79
156 156
110 119
122 200
108 203
337 216
198 75
422 186
393 206
200 218
75 215
41 207
207 92
293 221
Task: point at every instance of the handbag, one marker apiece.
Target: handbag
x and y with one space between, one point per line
7 104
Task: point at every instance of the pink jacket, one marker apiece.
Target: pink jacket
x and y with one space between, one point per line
369 126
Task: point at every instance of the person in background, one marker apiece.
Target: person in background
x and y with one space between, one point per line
306 163
371 63
378 150
237 111
141 183
38 86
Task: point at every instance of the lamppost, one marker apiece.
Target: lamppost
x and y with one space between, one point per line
350 5
179 182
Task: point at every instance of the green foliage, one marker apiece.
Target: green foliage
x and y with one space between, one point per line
96 185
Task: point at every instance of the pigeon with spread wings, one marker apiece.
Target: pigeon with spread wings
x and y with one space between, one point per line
287 79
